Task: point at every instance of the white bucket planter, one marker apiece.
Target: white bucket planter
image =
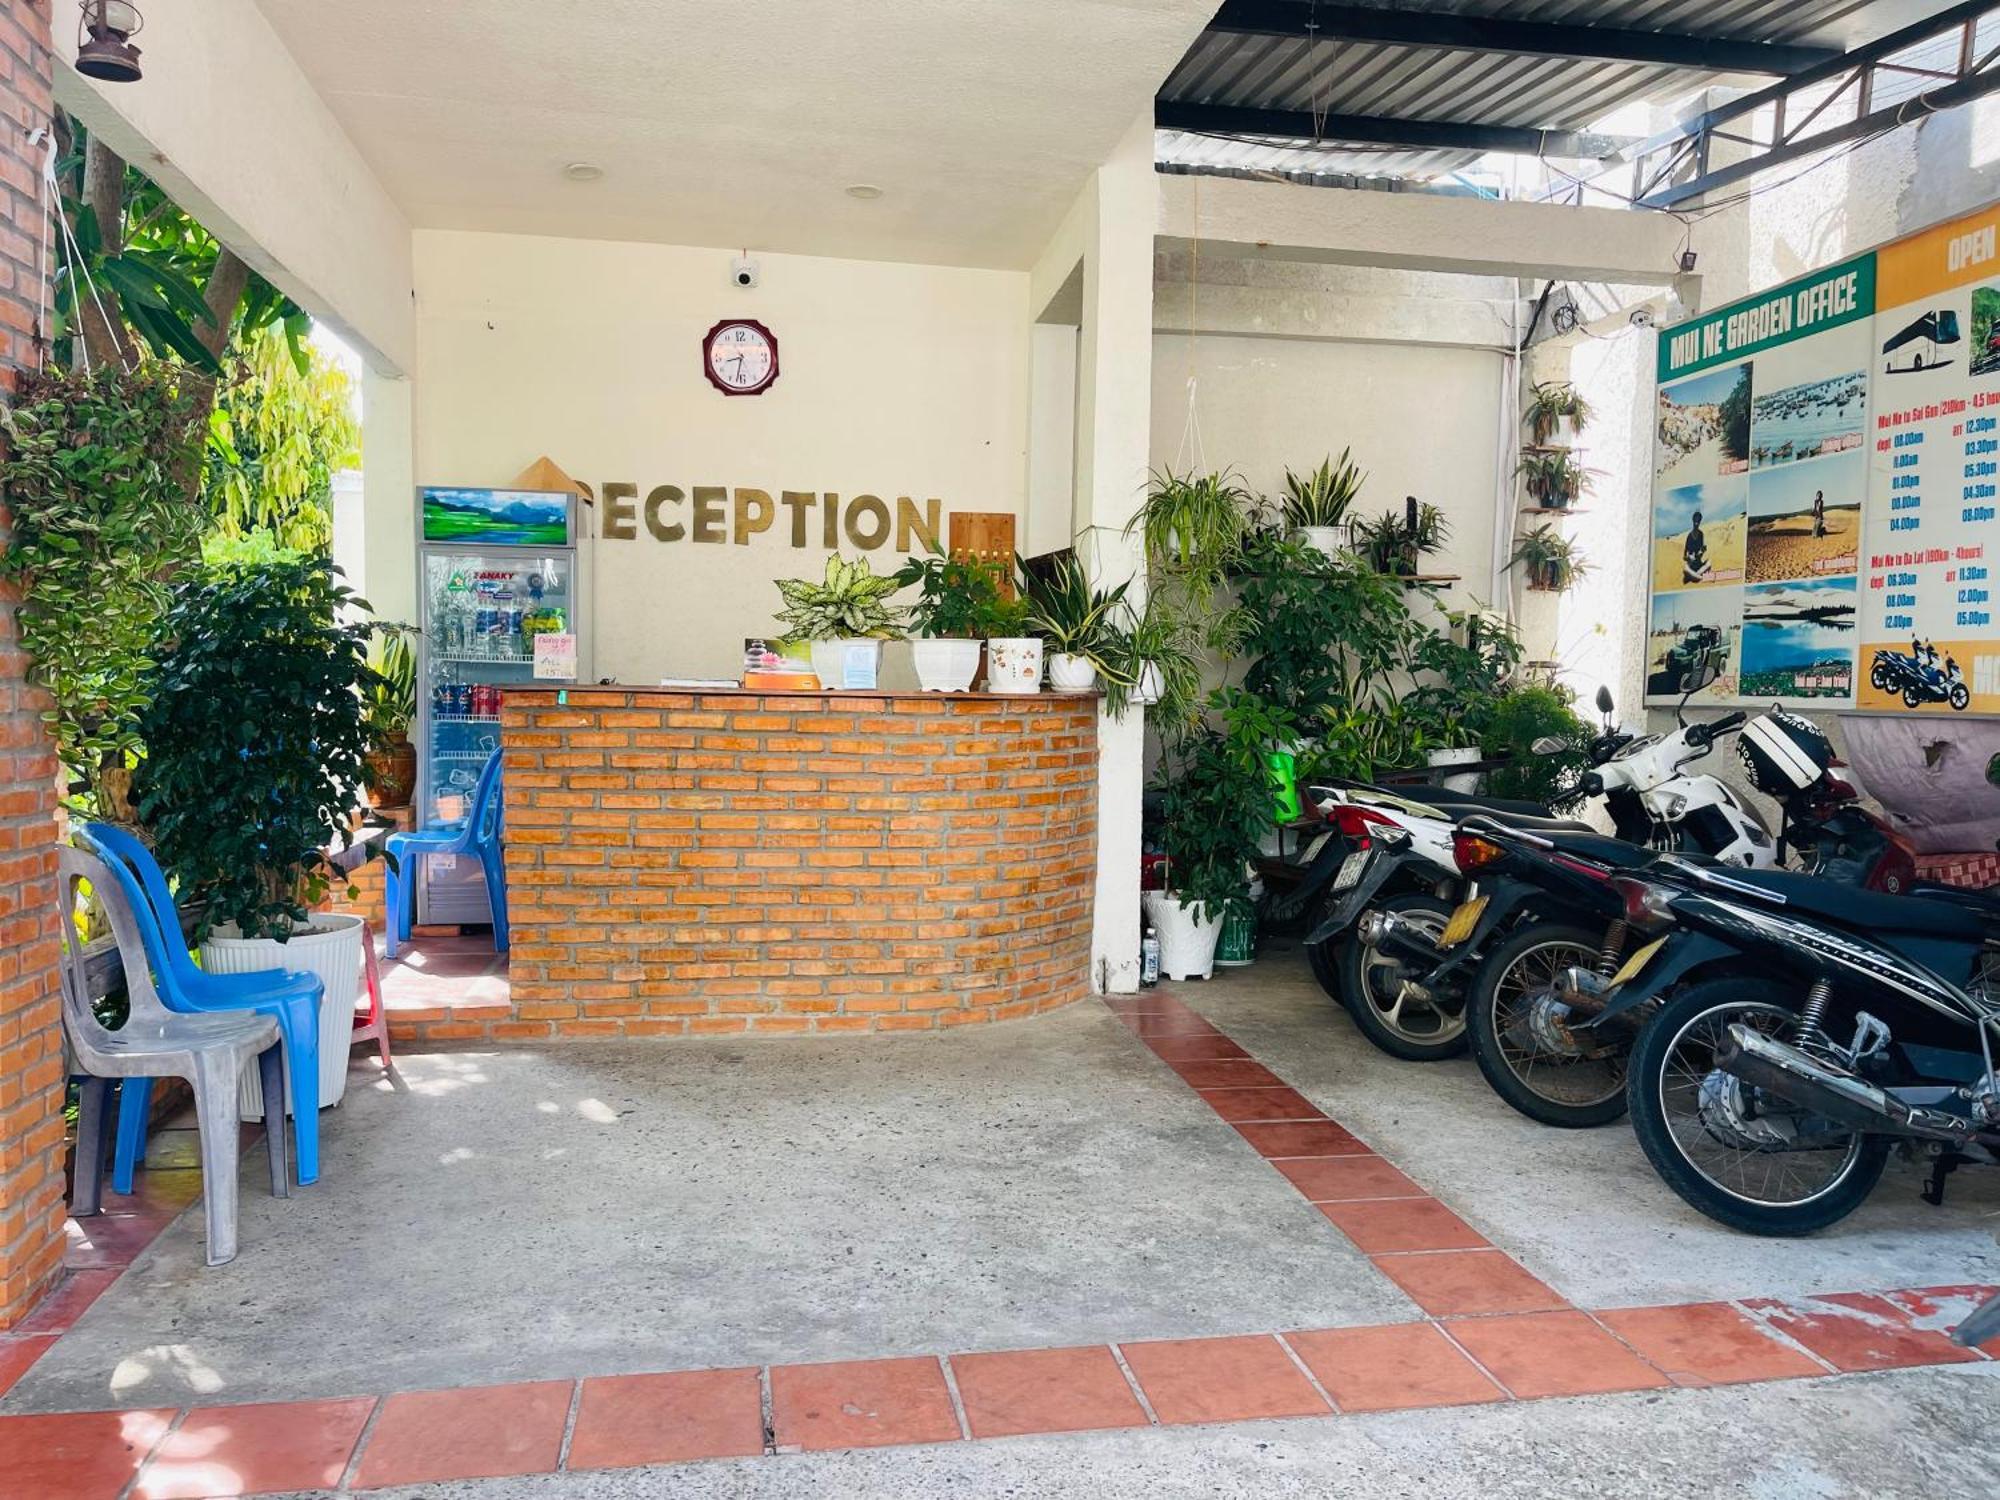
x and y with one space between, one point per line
1146 691
1325 540
1014 664
830 660
1468 782
1187 946
1071 674
330 948
945 666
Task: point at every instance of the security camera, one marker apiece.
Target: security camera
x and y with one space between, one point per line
743 271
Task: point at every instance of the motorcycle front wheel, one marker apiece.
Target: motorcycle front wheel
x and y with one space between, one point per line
1520 1040
1723 1145
1877 678
1413 1026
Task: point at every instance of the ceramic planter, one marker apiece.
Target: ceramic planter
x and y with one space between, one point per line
945 665
1463 782
1146 691
392 769
829 660
329 946
1187 945
1325 540
1071 674
1014 664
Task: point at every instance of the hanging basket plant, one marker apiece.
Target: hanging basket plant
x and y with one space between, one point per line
1554 479
1550 560
1555 410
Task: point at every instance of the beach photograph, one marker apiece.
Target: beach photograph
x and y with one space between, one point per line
1805 519
1699 534
1687 629
1808 420
1799 638
1703 427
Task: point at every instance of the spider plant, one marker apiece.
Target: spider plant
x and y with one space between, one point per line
1322 497
1551 403
1161 643
1550 559
1192 522
1554 478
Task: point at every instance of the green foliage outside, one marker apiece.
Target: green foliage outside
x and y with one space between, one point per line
1520 718
1735 412
281 429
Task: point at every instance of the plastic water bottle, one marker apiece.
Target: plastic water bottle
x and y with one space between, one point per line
1149 959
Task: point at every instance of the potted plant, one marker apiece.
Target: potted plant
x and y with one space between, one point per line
1397 545
1079 624
1457 684
1554 478
1193 522
1550 559
1528 715
1556 413
1316 505
256 740
846 612
956 602
1013 654
389 703
1160 663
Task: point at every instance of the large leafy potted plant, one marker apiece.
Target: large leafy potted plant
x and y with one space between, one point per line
256 737
958 601
390 703
846 612
1080 624
1316 504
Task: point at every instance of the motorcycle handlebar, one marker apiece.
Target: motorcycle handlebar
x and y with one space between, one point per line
1703 734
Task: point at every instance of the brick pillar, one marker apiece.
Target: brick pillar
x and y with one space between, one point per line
31 1082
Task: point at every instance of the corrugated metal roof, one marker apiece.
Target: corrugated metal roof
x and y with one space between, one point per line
1423 83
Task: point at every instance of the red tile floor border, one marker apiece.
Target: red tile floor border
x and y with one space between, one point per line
1492 1332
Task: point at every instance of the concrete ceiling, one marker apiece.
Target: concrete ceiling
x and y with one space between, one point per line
741 122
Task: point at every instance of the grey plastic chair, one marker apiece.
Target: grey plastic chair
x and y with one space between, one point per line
209 1051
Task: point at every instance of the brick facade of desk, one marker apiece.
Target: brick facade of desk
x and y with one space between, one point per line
700 863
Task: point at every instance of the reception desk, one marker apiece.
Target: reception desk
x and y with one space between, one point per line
696 862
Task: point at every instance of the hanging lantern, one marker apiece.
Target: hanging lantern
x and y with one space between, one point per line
104 47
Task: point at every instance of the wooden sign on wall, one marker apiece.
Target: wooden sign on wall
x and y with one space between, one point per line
987 536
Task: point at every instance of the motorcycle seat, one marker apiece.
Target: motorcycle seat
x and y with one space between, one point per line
1537 824
1447 800
1601 847
1870 911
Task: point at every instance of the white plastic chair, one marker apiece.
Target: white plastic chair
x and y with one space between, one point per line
209 1051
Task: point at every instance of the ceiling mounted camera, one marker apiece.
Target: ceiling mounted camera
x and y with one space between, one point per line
743 271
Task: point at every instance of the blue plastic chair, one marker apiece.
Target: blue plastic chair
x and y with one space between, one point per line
477 834
292 999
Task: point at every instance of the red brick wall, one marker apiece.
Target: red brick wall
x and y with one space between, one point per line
700 863
31 1126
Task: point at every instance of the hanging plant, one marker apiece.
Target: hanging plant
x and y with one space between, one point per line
1550 559
1554 479
95 475
1193 523
1551 404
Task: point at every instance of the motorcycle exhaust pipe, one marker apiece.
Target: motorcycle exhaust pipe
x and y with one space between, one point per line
1803 1080
1388 933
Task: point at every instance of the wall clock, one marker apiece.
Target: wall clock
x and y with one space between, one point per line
740 357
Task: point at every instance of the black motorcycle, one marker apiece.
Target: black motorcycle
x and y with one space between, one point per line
1796 1029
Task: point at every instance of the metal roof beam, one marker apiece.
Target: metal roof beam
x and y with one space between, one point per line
1290 18
1377 130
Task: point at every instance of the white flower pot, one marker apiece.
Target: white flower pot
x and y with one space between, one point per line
830 659
945 666
1325 540
1466 755
330 946
1187 946
1071 674
1147 689
1014 664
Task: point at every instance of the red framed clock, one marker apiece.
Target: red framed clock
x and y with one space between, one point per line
740 357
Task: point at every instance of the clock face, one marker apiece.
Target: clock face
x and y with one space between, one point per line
740 357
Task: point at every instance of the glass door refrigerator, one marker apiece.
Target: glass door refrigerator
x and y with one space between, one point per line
496 568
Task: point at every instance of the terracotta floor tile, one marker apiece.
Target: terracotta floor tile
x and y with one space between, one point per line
486 1432
623 1421
1706 1343
1149 1025
1301 1138
1389 1369
1221 1380
1238 1104
863 1403
1230 1072
88 1455
17 1353
1198 1048
1342 1179
1554 1354
58 1312
112 1241
1044 1390
255 1450
1468 1283
1858 1331
1941 1307
1402 1224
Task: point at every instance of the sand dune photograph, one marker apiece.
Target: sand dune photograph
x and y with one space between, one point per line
1805 519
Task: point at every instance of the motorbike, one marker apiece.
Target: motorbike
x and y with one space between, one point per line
1918 678
1797 1030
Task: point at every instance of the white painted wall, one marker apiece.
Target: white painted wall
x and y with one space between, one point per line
895 380
1420 419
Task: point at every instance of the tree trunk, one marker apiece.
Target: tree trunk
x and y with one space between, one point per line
99 321
223 294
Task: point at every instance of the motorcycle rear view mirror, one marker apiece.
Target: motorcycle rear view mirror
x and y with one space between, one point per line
1700 674
1604 702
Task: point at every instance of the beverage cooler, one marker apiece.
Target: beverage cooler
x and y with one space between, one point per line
496 568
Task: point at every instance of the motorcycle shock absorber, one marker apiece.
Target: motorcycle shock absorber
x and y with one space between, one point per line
1812 1013
1613 949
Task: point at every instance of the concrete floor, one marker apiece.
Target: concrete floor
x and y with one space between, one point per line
1582 1208
602 1208
1914 1435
